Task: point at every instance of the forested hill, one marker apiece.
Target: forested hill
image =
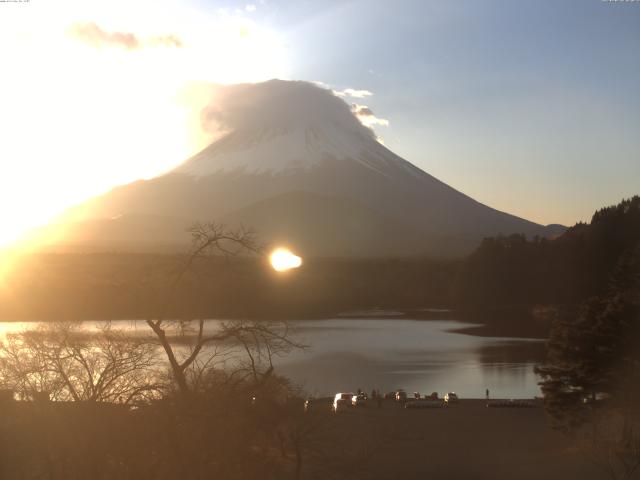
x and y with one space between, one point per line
511 270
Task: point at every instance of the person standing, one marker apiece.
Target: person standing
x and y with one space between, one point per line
487 394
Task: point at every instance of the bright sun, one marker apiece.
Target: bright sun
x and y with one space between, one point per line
282 260
96 94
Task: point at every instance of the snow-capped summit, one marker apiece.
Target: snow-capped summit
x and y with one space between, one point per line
293 161
293 125
282 151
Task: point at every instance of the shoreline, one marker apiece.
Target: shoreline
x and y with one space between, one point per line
475 326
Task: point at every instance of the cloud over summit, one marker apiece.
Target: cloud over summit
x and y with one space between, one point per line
277 104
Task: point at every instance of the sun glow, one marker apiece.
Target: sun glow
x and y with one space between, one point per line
96 94
282 260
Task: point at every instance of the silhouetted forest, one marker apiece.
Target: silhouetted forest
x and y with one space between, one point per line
132 286
515 271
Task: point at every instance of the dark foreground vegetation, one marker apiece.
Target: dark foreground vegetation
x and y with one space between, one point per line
224 435
217 433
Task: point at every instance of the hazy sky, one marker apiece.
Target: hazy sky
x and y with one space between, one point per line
532 107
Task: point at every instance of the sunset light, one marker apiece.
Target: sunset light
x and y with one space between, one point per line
96 95
282 260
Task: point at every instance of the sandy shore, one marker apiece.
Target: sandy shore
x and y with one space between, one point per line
463 441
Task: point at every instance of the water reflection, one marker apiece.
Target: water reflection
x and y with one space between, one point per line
421 356
509 352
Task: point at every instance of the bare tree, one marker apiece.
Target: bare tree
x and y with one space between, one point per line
62 363
260 341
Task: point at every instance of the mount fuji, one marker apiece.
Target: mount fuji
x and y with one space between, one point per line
296 164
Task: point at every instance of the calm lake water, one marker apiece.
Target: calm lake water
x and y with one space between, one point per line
386 354
417 355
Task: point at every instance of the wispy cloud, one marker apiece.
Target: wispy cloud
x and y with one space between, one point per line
367 117
92 34
352 93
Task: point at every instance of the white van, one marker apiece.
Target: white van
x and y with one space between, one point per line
342 401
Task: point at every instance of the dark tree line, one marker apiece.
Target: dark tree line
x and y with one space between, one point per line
108 286
516 271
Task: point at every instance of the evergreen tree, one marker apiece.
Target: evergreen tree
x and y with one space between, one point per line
591 378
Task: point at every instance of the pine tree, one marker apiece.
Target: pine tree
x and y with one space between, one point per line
591 378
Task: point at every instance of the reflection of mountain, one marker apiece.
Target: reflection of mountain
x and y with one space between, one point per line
510 353
297 165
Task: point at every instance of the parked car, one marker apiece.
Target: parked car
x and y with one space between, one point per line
342 401
359 400
433 396
451 397
401 396
423 403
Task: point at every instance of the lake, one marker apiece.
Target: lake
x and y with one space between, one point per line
418 355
